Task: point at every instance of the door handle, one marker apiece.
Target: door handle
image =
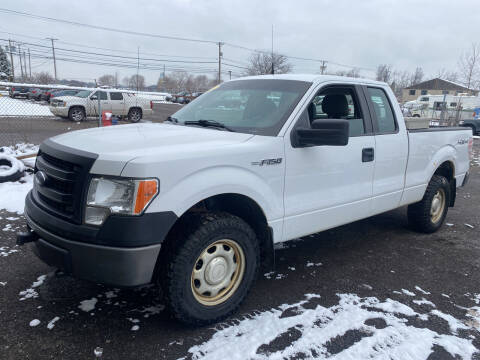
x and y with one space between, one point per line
368 154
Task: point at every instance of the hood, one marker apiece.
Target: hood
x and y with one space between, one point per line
122 143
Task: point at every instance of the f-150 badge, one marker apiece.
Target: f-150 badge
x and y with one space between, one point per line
268 162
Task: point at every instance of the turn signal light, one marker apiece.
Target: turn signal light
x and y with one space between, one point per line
147 189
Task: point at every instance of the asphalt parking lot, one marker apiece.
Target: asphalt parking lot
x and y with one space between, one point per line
432 283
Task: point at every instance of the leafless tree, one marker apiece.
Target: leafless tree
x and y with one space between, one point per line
135 82
354 72
43 78
183 81
469 66
106 80
384 73
417 76
448 75
260 63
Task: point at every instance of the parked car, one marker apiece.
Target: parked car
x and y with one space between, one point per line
19 91
473 123
85 103
46 94
33 94
57 93
179 97
197 204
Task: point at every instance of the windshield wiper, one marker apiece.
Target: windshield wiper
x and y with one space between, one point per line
172 119
209 123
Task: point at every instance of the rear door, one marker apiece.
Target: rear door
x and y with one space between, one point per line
391 151
117 103
326 186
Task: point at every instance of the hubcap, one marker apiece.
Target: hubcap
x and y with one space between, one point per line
217 272
77 115
438 206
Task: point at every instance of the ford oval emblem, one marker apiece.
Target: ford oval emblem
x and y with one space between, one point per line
40 178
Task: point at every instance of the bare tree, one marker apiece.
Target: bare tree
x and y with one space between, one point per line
260 63
106 80
43 78
354 72
384 73
417 76
469 66
448 75
135 82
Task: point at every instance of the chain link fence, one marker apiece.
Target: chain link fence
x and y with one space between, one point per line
31 114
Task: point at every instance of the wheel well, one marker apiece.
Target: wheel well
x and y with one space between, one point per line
76 106
135 108
447 170
239 205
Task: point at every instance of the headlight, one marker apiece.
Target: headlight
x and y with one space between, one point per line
118 196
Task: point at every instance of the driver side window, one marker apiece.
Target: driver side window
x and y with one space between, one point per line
338 103
102 94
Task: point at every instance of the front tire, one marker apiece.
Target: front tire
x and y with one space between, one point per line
428 215
210 268
76 114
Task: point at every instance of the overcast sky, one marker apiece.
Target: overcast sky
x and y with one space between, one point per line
405 34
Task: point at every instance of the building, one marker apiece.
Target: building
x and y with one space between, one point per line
435 86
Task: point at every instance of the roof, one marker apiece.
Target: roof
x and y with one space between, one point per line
438 84
313 78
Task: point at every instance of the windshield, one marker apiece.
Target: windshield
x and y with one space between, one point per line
259 106
83 93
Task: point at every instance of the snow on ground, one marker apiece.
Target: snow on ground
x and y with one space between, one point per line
30 292
309 330
14 193
22 107
88 305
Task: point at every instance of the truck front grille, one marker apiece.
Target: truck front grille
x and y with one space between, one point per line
60 180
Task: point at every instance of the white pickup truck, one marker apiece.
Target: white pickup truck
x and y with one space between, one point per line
196 204
85 103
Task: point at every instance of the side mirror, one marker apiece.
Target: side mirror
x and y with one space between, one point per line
333 132
93 97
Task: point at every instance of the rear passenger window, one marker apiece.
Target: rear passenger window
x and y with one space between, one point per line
116 96
383 111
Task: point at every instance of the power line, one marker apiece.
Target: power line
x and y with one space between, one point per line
75 23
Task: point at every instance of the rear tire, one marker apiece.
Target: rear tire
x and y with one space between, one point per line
135 115
428 215
209 268
76 114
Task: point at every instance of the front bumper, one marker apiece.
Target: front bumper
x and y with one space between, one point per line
58 110
123 252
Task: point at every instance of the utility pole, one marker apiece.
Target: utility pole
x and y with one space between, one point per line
220 54
138 64
230 73
163 72
11 59
54 60
323 67
29 63
20 58
273 69
25 64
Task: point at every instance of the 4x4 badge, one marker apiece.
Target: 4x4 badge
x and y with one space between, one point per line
268 162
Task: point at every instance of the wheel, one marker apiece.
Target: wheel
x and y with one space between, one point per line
210 268
427 216
11 169
76 114
134 115
416 115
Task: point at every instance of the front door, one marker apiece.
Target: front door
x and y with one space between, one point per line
326 186
117 103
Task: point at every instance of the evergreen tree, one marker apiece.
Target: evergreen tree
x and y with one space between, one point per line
5 67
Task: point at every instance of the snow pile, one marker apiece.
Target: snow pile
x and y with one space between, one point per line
88 305
30 292
314 331
14 193
18 107
5 250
